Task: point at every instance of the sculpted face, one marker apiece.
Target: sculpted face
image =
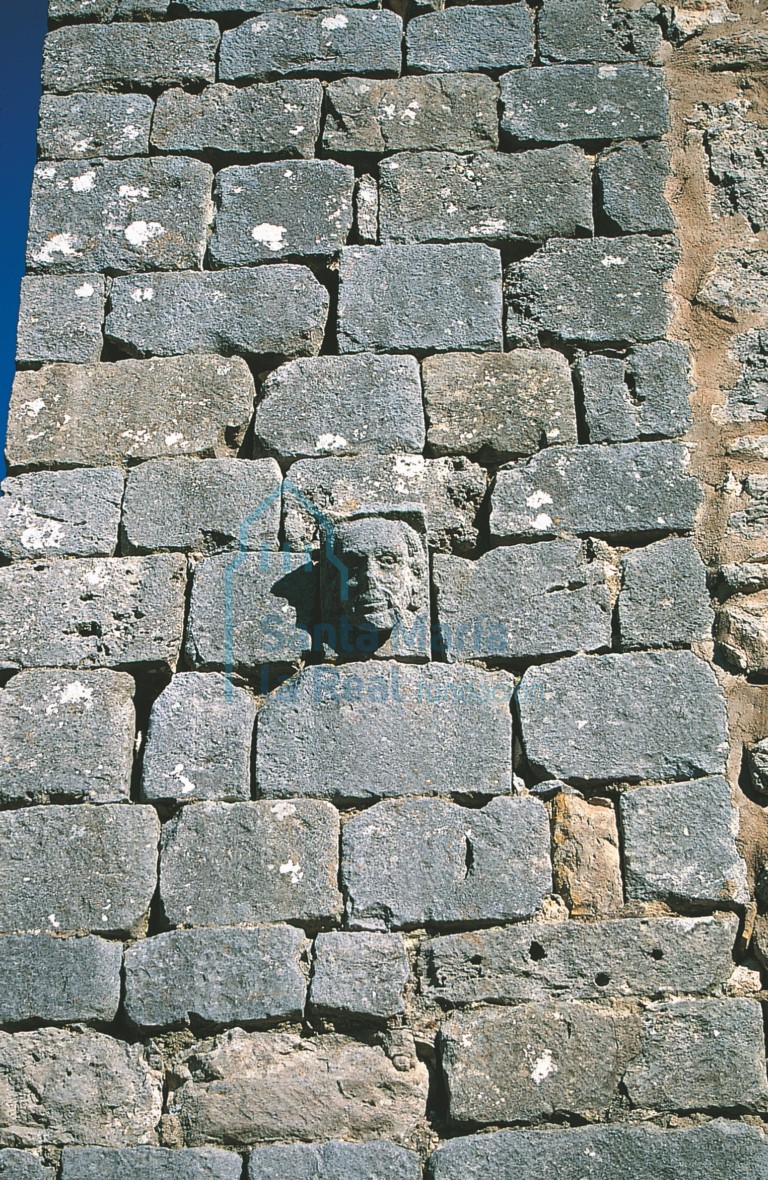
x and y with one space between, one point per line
380 557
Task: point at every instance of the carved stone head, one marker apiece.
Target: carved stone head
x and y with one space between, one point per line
384 563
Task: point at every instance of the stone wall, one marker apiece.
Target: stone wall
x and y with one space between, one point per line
475 297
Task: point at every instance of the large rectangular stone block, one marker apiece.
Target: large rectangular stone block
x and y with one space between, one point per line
424 862
23 1165
330 44
76 415
538 961
664 599
267 310
78 868
367 731
58 979
110 612
60 318
61 513
444 112
650 715
272 211
118 56
420 298
126 215
487 196
335 1161
149 1163
359 975
646 393
631 179
243 863
482 37
87 126
280 119
597 30
213 7
225 976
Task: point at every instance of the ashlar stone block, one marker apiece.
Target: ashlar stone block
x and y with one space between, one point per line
646 393
114 57
60 318
596 30
140 1163
90 125
487 37
58 979
61 513
335 1161
631 179
23 1165
664 599
362 975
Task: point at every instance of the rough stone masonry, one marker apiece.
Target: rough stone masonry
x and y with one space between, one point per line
384 596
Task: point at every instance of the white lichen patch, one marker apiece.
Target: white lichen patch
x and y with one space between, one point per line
85 291
141 233
172 440
186 784
337 21
65 244
538 499
33 408
133 192
330 442
84 183
271 236
48 535
541 522
74 693
282 810
292 870
542 1067
142 294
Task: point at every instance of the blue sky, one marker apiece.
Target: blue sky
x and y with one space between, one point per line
23 25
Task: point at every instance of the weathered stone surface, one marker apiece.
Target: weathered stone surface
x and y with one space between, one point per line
747 576
205 7
277 45
562 103
61 513
747 401
22 1165
335 1161
127 215
359 975
371 730
606 1153
60 318
446 112
245 863
245 1089
757 763
487 196
58 979
367 209
420 298
140 1163
648 715
498 404
485 37
269 211
579 960
416 862
201 505
225 976
269 309
282 119
680 843
123 55
630 488
737 283
521 602
596 30
341 405
86 126
738 162
199 741
75 415
752 519
251 609
664 598
631 181
599 291
527 1063
106 10
450 490
645 393
108 612
741 632
78 868
66 736
586 864
700 1053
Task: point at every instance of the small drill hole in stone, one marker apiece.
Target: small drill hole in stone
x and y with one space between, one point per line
601 979
657 954
477 960
537 952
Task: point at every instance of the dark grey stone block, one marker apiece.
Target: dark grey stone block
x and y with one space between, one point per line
631 179
630 488
224 976
371 730
646 393
61 513
118 56
88 126
442 112
78 868
479 37
202 505
158 214
246 863
537 961
487 196
664 598
106 10
420 298
424 862
597 30
680 843
149 1163
559 104
330 44
22 1165
359 975
60 318
110 612
67 737
347 405
199 741
58 979
214 7
600 291
335 1161
281 119
78 415
522 602
649 715
266 310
